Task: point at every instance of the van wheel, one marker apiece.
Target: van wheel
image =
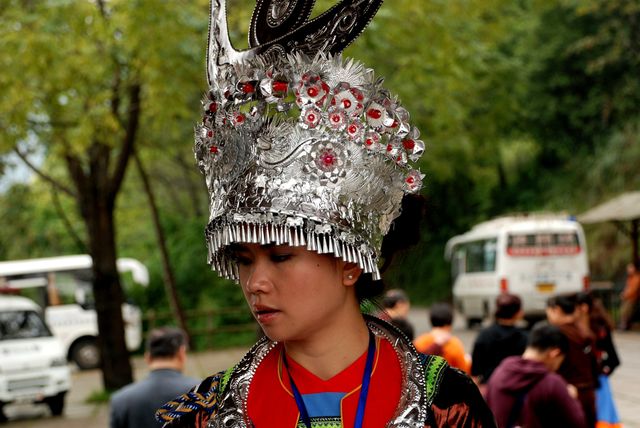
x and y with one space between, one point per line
473 322
86 354
3 417
56 403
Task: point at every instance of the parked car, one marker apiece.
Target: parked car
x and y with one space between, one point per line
33 363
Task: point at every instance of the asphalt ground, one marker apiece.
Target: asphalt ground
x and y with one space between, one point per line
78 413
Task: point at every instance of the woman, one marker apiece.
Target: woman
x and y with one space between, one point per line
306 159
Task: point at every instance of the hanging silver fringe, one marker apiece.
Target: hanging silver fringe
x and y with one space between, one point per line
294 231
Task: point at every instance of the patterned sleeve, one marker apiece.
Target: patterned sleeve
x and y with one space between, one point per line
195 408
459 403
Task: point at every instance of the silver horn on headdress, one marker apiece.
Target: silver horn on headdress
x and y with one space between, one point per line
280 27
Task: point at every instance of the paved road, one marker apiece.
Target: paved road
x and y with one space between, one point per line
78 414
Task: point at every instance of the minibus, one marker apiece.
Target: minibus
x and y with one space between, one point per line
533 256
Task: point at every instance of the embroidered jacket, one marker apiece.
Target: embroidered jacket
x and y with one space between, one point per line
433 394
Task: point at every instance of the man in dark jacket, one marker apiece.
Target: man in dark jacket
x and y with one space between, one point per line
135 405
525 391
500 340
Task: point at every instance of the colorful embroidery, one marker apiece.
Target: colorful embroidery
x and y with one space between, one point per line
434 370
322 423
194 402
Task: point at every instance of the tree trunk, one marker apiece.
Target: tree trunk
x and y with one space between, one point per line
167 271
116 367
96 200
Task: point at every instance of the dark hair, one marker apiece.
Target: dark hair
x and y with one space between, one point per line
544 336
507 306
566 302
393 297
165 342
404 326
598 315
441 314
403 233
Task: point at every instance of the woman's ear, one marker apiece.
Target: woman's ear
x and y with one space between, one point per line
350 274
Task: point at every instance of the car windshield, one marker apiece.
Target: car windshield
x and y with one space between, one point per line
22 325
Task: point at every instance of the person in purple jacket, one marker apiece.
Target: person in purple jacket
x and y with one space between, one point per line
525 391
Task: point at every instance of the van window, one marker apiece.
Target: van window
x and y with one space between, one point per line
22 325
475 256
543 244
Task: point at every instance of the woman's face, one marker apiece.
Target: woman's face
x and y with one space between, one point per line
293 293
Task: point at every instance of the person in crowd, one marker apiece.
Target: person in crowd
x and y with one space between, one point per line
135 405
440 339
593 317
396 306
580 367
629 296
307 162
525 391
500 340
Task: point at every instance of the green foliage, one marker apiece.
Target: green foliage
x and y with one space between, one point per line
101 396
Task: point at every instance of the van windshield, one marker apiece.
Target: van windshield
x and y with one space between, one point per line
22 325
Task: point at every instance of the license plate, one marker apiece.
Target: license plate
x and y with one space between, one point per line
546 287
28 397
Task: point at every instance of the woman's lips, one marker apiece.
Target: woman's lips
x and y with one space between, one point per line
265 314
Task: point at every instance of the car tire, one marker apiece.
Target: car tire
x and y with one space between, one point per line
86 354
56 403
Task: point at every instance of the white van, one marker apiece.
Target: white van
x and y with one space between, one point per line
62 285
33 363
533 256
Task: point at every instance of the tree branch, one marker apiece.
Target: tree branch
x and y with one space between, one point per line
131 130
42 175
82 246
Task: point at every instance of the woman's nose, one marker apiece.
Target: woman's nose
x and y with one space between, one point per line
257 278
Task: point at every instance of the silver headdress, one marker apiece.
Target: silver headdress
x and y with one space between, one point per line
297 145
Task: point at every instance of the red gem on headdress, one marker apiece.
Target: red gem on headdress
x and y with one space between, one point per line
279 86
369 142
213 149
409 144
353 129
311 117
410 179
328 158
210 134
312 92
248 88
213 107
239 118
389 147
394 124
346 103
336 118
374 113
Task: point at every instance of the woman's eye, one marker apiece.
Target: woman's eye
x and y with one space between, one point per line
241 260
279 258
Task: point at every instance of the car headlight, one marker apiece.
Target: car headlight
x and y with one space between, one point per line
58 362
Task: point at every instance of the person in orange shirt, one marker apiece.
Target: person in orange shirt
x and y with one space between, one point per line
440 340
629 296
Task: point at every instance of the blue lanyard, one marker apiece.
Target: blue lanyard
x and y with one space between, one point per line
364 391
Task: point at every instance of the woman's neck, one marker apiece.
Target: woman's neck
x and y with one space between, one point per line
331 350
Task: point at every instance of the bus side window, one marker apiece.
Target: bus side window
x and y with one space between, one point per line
458 261
481 255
